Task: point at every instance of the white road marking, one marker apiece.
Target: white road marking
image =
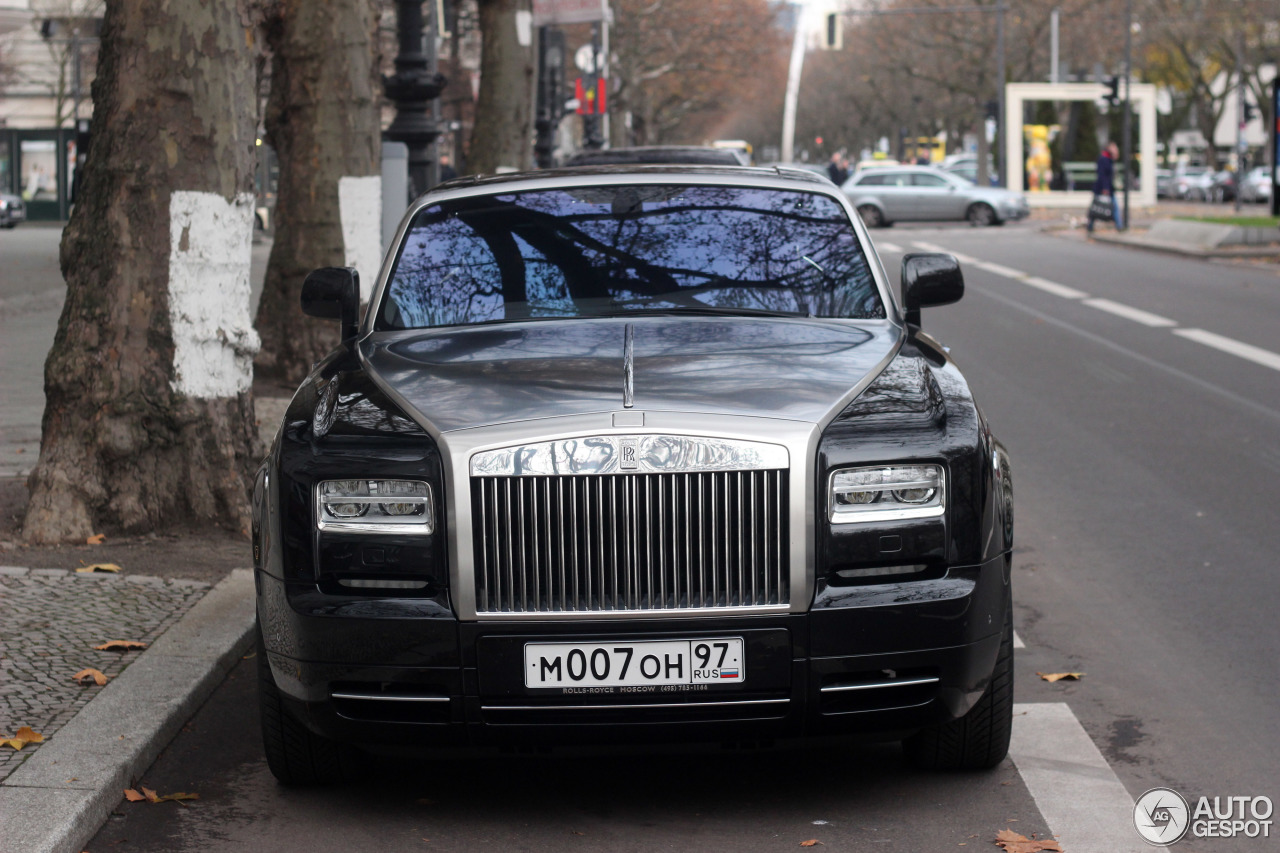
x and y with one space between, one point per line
1249 352
1137 315
1080 797
1053 287
1001 269
1258 355
1017 641
934 247
886 246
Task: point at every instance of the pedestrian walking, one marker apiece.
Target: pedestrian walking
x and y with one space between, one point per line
838 169
447 172
1104 204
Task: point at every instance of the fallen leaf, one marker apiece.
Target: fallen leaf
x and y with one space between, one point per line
1061 676
99 567
151 796
812 842
120 646
96 539
84 676
21 738
1013 842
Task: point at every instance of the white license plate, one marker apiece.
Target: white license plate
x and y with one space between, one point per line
632 664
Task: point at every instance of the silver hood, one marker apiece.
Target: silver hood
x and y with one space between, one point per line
795 369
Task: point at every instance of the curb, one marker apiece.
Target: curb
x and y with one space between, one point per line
1185 251
59 798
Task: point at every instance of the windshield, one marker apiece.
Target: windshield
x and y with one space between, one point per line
605 251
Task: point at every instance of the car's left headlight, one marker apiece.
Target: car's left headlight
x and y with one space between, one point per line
375 506
886 493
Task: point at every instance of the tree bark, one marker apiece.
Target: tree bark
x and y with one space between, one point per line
503 134
322 119
148 420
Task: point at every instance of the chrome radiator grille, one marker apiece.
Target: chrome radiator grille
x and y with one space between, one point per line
630 542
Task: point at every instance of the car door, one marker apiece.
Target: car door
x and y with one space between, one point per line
935 197
894 192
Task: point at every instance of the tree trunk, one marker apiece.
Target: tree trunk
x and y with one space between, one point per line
502 138
322 119
148 420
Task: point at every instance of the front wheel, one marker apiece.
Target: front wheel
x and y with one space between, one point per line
980 215
980 739
295 754
871 216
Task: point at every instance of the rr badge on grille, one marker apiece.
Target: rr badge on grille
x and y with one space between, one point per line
628 454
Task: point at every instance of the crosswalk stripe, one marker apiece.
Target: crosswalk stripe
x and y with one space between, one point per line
1080 797
886 246
1017 641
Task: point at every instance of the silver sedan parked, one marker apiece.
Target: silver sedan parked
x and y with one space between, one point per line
901 193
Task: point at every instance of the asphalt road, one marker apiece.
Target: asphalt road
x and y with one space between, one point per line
1139 395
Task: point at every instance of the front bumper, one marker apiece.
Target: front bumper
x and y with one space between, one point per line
885 659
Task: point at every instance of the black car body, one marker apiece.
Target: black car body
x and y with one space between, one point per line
602 430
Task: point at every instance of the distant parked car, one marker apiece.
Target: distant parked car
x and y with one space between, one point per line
12 210
875 164
1165 184
884 196
967 168
1256 186
1193 183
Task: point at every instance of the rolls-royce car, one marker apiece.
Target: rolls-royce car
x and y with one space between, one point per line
633 454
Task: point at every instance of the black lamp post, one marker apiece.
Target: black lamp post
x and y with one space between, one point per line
412 89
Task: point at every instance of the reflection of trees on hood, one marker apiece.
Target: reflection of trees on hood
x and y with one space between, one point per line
567 253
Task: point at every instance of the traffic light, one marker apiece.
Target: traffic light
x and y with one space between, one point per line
1113 83
832 32
1250 112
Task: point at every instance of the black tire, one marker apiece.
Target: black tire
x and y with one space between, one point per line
980 215
871 216
295 754
980 739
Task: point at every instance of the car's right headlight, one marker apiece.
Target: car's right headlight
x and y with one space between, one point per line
375 506
886 493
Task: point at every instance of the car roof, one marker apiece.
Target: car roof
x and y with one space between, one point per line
641 154
648 173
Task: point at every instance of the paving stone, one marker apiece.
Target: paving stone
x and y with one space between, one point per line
49 625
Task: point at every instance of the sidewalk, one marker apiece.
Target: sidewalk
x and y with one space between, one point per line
98 741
